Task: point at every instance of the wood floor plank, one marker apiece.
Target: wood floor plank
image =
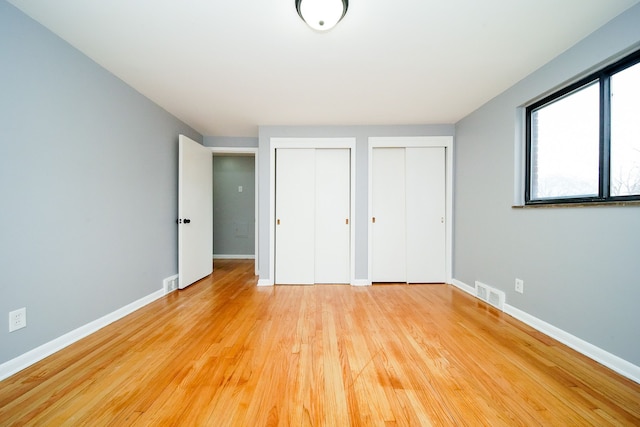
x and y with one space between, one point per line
225 352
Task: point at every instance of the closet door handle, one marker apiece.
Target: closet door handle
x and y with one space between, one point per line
278 221
373 220
346 221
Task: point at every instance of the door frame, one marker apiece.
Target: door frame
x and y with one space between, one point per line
254 152
308 142
417 141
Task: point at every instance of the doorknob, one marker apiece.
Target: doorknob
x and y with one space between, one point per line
346 221
278 222
187 221
373 220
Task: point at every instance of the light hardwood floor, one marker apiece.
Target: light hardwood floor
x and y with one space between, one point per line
224 352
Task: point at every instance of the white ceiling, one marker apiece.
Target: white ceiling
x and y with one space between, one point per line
227 66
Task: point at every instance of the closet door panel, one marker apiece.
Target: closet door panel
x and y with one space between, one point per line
295 216
388 209
425 203
332 219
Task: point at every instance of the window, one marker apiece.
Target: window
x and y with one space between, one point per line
583 142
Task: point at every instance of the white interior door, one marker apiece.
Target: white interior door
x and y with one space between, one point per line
295 216
332 218
389 244
425 202
195 212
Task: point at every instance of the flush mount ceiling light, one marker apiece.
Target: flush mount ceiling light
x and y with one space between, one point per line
322 15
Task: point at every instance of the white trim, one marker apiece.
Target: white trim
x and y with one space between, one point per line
601 356
464 287
274 143
265 282
252 151
234 150
360 282
37 354
613 362
417 141
224 256
410 141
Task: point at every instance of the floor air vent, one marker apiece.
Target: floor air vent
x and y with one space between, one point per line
170 284
490 295
481 291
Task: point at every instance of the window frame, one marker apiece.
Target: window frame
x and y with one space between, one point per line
603 77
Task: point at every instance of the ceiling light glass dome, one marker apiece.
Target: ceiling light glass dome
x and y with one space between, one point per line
322 15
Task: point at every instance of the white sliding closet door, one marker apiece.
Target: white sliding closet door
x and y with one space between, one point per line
295 216
425 202
389 226
312 231
332 228
408 209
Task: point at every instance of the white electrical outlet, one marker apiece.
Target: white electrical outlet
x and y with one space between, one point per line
520 286
17 319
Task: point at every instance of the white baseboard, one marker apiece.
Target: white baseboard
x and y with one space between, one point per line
611 361
222 256
601 356
37 354
464 287
265 282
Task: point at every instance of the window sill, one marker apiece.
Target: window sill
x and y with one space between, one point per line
578 205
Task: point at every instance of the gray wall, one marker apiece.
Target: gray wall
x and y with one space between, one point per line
233 211
361 133
581 266
88 187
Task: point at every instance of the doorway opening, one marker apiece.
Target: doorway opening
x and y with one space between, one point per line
235 204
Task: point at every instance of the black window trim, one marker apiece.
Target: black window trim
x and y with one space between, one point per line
602 76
